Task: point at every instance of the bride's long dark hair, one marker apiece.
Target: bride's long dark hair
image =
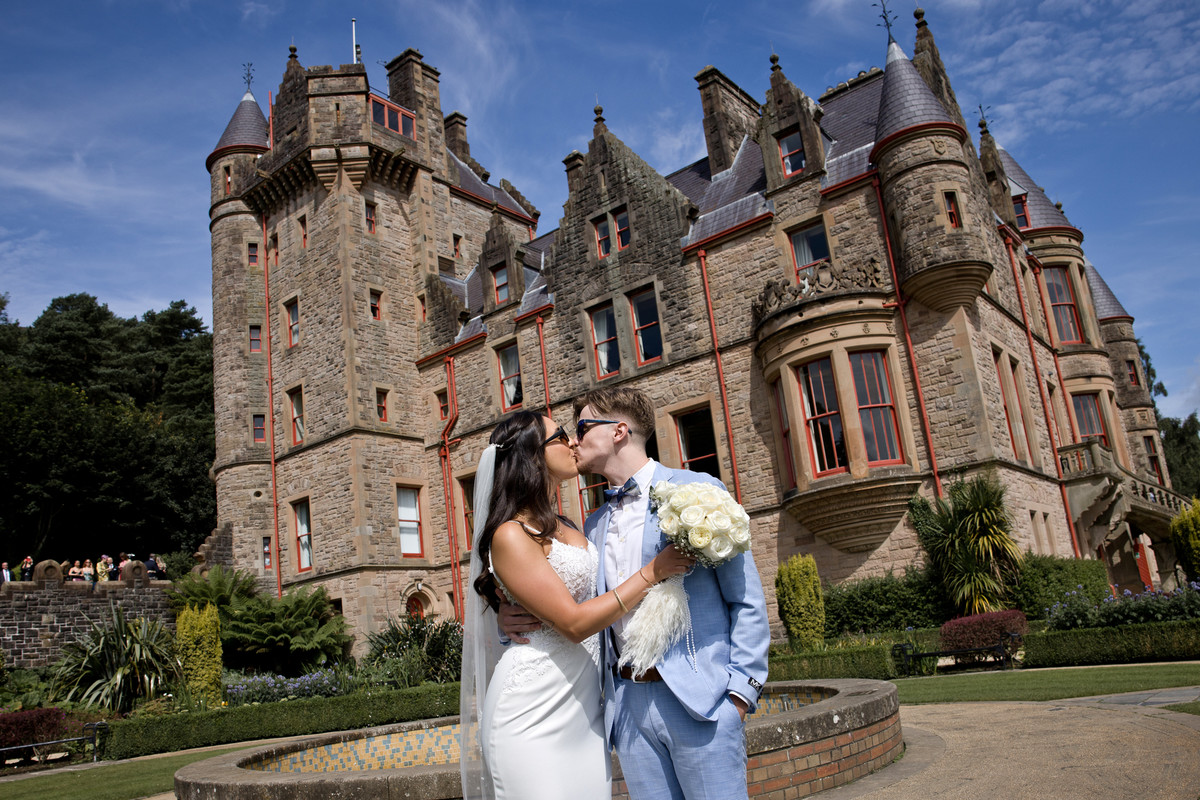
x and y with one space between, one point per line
522 485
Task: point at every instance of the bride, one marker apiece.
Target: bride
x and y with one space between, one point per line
537 707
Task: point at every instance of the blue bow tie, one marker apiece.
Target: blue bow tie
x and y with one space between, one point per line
630 489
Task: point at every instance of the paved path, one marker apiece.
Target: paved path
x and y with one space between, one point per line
1113 747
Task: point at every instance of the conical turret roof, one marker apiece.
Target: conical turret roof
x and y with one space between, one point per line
906 100
247 128
1107 304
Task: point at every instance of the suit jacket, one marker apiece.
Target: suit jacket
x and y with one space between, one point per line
729 621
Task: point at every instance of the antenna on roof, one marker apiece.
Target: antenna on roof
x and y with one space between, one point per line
888 18
248 74
357 54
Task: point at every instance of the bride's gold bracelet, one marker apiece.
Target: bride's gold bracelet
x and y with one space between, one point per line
643 574
620 602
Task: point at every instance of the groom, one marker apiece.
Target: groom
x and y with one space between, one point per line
678 728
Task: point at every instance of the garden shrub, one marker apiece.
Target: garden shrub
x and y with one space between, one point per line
983 630
871 662
887 603
1157 641
147 735
801 607
1045 580
1077 611
330 682
439 643
288 635
1185 536
220 587
198 646
33 725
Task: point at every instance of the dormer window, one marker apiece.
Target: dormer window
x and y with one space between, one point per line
617 221
791 153
1021 209
500 282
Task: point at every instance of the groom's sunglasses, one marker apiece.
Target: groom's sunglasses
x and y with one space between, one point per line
585 425
561 433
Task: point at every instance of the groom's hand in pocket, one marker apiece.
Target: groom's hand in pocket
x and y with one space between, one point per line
514 620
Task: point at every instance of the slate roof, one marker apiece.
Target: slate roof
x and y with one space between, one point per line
1042 212
247 127
850 120
1107 304
732 197
905 99
469 181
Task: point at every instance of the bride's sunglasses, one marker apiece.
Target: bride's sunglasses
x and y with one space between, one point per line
562 434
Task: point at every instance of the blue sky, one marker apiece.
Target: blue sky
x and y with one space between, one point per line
108 109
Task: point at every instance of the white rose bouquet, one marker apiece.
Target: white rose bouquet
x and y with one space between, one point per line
704 521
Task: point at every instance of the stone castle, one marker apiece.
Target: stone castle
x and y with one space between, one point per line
846 302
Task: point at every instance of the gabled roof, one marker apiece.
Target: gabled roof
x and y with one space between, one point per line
470 182
1107 304
247 128
905 100
1042 213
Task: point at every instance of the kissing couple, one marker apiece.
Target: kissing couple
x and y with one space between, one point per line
543 697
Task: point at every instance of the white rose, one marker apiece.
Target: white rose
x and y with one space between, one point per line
708 497
669 525
663 490
691 516
720 522
740 536
700 536
719 549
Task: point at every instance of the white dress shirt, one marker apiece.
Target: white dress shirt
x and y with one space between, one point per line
623 547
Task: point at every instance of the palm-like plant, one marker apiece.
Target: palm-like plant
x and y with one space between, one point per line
288 635
116 665
970 544
220 587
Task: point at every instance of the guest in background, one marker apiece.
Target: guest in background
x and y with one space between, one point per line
152 569
113 572
88 571
5 574
75 573
27 569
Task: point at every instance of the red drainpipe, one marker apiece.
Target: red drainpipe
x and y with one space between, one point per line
1012 260
912 358
452 523
1037 273
271 406
712 325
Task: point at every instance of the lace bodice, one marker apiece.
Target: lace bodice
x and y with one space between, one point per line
576 567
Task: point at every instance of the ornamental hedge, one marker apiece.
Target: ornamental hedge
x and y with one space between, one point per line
1045 580
873 661
798 592
983 630
141 736
1154 641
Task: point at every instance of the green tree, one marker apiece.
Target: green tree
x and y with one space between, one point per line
1181 448
1185 536
801 606
969 541
1156 387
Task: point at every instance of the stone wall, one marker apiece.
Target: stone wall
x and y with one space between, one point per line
39 617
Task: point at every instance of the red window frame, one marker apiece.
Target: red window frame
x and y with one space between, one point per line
303 535
591 492
603 238
823 422
621 223
381 404
303 230
296 411
252 254
228 180
1062 305
421 302
876 407
1131 366
643 328
785 432
952 213
513 378
1152 455
697 461
1012 439
790 145
457 246
611 348
376 302
369 217
420 551
443 401
256 338
500 282
266 551
467 487
802 235
258 426
1088 417
393 117
1021 210
292 309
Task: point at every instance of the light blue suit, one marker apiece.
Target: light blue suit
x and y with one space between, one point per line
690 755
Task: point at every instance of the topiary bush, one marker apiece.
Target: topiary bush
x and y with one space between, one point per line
886 603
1185 536
1045 580
198 646
801 606
983 630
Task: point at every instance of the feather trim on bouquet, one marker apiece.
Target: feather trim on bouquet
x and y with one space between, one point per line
704 521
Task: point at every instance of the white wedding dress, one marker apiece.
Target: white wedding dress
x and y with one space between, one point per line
542 726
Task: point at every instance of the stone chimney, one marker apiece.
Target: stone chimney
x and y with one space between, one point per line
729 115
455 126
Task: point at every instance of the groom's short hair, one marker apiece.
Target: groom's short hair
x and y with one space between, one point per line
631 404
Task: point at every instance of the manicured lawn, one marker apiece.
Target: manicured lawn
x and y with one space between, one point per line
1186 708
139 778
1046 684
